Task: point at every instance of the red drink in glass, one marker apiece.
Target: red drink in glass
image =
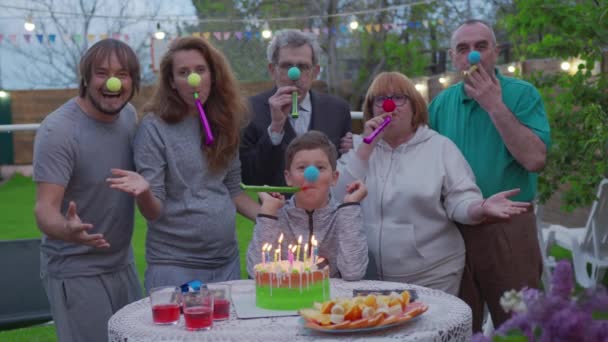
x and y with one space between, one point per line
221 309
198 317
165 313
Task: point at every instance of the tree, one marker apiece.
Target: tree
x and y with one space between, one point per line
576 103
55 64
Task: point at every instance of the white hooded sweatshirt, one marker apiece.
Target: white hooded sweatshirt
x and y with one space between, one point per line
415 192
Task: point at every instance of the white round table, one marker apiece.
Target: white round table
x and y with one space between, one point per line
448 319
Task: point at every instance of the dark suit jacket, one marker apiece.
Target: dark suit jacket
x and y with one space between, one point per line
263 163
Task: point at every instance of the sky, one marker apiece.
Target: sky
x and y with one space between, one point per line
19 71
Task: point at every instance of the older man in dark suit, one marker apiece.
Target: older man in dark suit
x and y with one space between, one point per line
273 128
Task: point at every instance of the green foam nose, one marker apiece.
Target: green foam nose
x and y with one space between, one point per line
194 79
113 84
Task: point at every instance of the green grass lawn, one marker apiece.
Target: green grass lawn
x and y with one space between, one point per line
17 222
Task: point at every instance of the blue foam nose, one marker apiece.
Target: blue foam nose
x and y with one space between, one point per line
474 57
311 174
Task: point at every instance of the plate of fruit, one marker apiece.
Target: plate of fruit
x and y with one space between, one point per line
362 313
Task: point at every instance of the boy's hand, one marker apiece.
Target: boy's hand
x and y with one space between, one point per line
355 192
271 202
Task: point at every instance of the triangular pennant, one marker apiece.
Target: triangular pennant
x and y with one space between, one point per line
425 23
306 29
196 34
343 28
126 37
238 35
13 38
217 35
116 35
77 38
207 35
325 30
333 30
52 38
27 37
258 35
368 28
377 27
227 35
315 30
248 35
1 37
387 27
103 36
90 37
361 29
40 38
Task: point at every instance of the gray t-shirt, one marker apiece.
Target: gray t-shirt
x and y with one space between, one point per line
197 226
77 152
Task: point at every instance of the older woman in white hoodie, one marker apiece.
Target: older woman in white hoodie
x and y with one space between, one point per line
418 185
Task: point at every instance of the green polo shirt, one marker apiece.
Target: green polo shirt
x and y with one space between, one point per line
460 118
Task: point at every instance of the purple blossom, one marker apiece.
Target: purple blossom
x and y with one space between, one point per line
561 284
480 337
556 316
568 324
598 331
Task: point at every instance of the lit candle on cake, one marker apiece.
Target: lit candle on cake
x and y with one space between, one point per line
276 254
298 250
280 241
290 255
264 253
268 249
315 249
305 251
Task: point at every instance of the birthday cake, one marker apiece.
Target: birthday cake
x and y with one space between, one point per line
285 285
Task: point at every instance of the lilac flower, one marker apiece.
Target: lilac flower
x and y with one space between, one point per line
556 316
568 324
598 331
561 284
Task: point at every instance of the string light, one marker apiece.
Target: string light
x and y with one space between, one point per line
565 66
443 80
511 68
266 33
354 24
3 94
159 34
29 24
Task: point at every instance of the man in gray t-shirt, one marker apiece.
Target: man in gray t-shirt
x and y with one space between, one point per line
87 263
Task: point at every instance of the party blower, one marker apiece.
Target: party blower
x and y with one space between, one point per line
474 58
311 174
388 106
194 80
294 74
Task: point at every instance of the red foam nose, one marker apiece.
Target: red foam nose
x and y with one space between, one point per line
388 105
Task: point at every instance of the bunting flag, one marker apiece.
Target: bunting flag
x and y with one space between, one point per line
247 35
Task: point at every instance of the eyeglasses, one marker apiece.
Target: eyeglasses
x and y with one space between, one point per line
284 67
399 100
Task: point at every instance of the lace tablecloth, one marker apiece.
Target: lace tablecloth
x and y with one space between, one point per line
448 319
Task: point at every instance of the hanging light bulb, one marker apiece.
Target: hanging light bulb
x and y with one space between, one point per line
511 68
3 94
159 34
565 65
266 33
29 24
354 24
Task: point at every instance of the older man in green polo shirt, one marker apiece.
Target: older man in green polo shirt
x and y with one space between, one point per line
500 125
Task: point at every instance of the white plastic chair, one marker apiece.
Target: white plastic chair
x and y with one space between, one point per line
549 261
589 244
